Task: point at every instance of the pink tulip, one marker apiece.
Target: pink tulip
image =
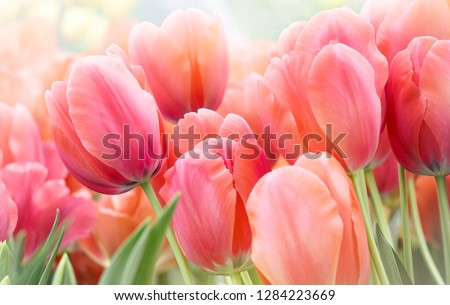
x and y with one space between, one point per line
20 141
37 199
8 214
215 180
185 60
418 87
272 123
398 22
107 128
307 226
334 76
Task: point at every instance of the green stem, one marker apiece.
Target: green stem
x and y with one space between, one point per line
246 278
181 260
236 278
427 257
445 223
406 232
374 275
378 206
361 192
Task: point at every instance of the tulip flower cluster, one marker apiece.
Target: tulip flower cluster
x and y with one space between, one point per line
322 158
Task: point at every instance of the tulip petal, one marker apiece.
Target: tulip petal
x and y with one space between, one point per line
408 19
205 215
342 25
297 231
405 97
434 85
8 214
160 64
288 39
81 164
194 128
342 93
354 264
123 112
25 141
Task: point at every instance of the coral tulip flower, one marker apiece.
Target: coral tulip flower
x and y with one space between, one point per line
418 87
307 226
397 22
8 214
107 128
215 180
185 61
332 79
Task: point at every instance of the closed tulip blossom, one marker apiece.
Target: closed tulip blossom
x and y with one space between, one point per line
107 127
397 22
307 226
8 214
185 61
215 180
329 73
418 87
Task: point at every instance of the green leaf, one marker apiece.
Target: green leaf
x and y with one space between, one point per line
395 270
6 260
37 269
5 281
134 262
48 268
64 274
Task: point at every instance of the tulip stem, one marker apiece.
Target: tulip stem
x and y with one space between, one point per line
406 231
361 191
427 257
181 260
378 206
246 278
445 222
236 278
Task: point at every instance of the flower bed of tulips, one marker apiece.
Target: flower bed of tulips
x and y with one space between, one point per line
321 158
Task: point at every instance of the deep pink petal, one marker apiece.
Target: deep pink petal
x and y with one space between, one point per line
122 110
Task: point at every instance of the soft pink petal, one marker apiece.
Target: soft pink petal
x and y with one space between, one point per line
407 19
25 140
296 227
22 180
194 128
8 214
342 25
341 90
161 58
53 162
204 219
288 39
354 264
278 120
77 214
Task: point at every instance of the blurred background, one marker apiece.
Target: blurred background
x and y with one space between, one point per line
82 25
